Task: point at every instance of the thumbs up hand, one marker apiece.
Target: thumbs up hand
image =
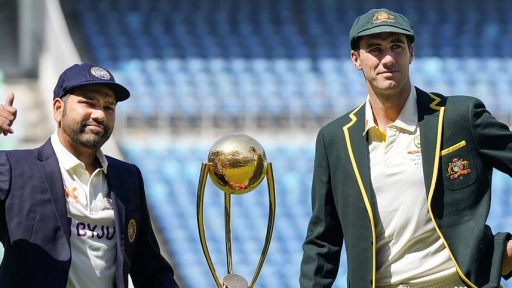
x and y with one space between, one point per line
7 115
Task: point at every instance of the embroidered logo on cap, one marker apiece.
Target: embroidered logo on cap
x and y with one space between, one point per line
458 168
132 230
383 16
100 73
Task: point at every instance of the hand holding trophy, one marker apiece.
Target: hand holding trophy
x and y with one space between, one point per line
236 164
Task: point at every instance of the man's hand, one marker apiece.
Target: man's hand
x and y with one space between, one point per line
7 115
506 268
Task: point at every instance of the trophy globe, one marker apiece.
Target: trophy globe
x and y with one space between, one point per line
239 163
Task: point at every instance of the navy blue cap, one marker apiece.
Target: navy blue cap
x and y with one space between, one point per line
87 74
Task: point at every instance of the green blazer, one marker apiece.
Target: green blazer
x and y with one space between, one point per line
456 132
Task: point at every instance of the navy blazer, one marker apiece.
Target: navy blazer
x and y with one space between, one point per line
35 228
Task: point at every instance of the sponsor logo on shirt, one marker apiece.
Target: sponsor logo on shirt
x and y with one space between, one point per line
414 151
71 193
94 231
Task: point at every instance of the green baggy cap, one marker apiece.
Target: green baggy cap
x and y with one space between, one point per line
378 21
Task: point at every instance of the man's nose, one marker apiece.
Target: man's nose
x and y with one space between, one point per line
388 59
98 114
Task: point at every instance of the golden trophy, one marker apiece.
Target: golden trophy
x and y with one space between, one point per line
236 164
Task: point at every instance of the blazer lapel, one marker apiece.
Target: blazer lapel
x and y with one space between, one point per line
357 147
430 118
53 178
117 190
358 151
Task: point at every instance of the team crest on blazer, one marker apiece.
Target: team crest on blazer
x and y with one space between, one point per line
132 230
458 168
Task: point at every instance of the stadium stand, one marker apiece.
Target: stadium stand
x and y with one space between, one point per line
197 58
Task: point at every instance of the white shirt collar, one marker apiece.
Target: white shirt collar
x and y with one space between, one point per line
408 118
67 160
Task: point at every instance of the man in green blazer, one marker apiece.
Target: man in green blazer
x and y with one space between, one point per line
404 179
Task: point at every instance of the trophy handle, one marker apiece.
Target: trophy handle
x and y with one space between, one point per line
270 224
205 167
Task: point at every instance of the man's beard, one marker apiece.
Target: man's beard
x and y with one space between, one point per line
80 136
87 139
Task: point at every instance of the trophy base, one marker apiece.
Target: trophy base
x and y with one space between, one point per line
234 281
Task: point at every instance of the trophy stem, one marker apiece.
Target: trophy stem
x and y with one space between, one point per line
200 220
270 224
227 223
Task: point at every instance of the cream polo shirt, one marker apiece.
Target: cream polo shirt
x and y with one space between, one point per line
408 247
93 241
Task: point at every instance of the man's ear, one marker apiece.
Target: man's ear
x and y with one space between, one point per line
58 107
354 55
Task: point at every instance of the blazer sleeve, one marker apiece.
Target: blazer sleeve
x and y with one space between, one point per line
5 184
149 268
494 142
5 176
492 137
324 239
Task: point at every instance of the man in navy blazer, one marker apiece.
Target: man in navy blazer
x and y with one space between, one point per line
69 215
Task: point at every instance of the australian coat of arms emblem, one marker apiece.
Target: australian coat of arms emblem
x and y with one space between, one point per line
458 168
